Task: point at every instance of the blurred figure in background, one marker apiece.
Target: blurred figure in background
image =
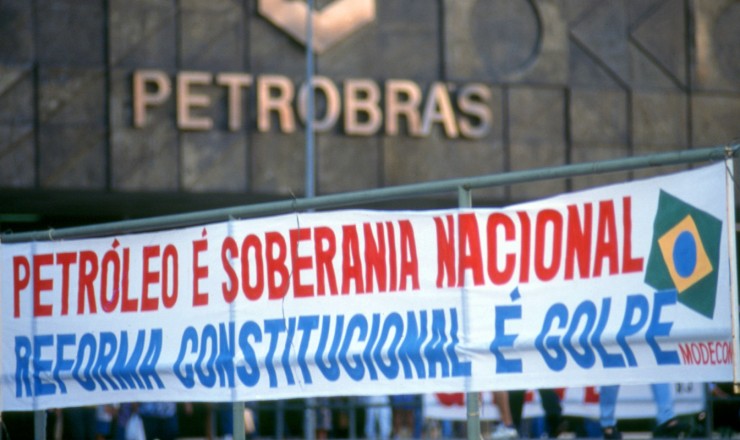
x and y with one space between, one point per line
668 425
505 429
378 417
403 415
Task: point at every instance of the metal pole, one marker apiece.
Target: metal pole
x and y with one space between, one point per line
280 420
352 417
465 200
39 425
237 407
237 411
377 195
309 421
310 153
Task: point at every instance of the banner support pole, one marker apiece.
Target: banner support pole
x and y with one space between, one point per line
472 399
732 253
39 425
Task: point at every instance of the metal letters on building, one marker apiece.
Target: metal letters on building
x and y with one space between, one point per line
357 106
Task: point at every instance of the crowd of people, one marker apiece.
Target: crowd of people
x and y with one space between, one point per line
382 418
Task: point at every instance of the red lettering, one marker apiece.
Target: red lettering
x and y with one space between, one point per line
409 259
199 272
275 254
229 249
392 274
300 263
578 244
525 246
252 292
88 271
66 259
445 251
696 353
375 257
325 249
127 304
41 284
20 282
110 258
170 260
606 239
149 277
629 263
351 263
470 252
555 242
497 276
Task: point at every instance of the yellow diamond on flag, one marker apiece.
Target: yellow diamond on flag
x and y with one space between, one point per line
684 254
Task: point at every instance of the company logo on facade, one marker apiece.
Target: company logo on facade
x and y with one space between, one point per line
685 253
354 106
329 26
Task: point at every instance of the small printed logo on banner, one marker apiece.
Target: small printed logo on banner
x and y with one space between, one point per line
684 254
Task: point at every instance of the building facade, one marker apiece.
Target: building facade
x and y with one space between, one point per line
113 109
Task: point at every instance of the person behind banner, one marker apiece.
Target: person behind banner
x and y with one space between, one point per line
668 425
160 419
403 415
725 409
104 415
378 417
79 422
505 429
554 422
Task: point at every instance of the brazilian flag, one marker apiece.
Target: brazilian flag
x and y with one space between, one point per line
685 253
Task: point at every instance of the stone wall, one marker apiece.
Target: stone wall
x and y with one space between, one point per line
571 81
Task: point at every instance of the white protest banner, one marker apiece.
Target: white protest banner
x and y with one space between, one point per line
634 402
623 284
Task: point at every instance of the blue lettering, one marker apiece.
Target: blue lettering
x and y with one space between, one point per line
634 303
394 321
63 364
108 348
331 372
249 378
306 324
40 366
87 343
505 340
22 366
358 322
544 343
148 367
609 360
126 372
286 352
274 327
189 337
208 343
367 352
658 328
585 309
412 345
434 350
226 353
